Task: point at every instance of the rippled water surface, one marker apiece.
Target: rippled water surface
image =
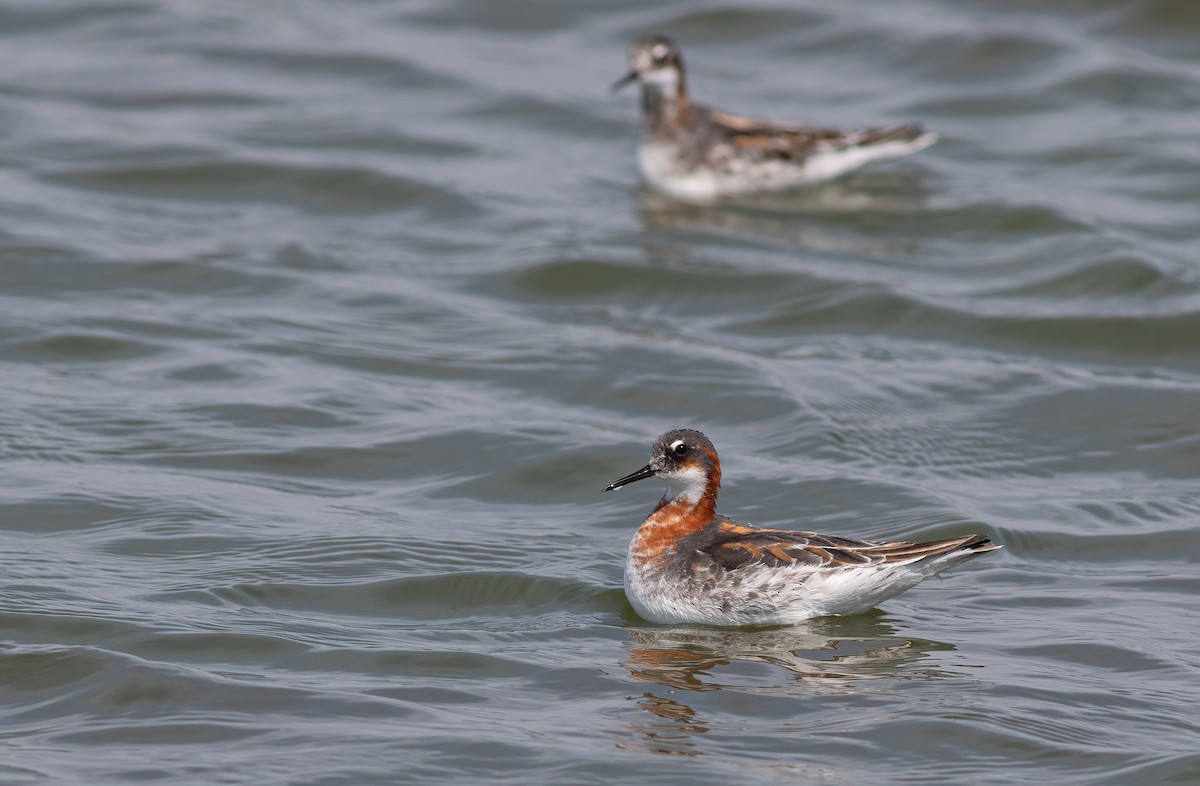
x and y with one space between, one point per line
322 325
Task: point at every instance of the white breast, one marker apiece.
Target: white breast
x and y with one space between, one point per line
663 171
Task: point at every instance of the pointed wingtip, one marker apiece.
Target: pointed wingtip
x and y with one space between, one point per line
924 140
978 544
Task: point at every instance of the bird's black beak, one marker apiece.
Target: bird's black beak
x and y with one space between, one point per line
641 474
630 77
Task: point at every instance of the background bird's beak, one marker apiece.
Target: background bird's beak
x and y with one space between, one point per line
630 77
641 474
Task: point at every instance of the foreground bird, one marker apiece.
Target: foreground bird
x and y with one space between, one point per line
687 563
693 152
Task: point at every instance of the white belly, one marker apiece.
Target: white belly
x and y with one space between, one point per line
665 171
781 595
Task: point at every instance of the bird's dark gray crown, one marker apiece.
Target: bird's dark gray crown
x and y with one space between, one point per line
655 51
679 446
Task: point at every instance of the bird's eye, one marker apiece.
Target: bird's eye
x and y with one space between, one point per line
659 53
680 449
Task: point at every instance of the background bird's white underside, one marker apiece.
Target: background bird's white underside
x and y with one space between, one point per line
661 169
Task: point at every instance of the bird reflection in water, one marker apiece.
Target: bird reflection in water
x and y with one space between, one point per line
827 219
831 655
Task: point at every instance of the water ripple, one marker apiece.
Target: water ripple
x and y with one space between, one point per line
323 327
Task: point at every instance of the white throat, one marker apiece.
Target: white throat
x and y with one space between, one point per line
664 79
687 485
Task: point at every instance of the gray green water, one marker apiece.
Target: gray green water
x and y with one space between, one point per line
322 325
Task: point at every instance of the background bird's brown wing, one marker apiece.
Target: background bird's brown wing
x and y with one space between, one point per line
738 546
785 141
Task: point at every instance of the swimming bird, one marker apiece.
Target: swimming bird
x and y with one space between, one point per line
693 152
688 563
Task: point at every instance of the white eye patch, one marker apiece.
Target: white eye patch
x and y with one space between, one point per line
659 51
676 444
